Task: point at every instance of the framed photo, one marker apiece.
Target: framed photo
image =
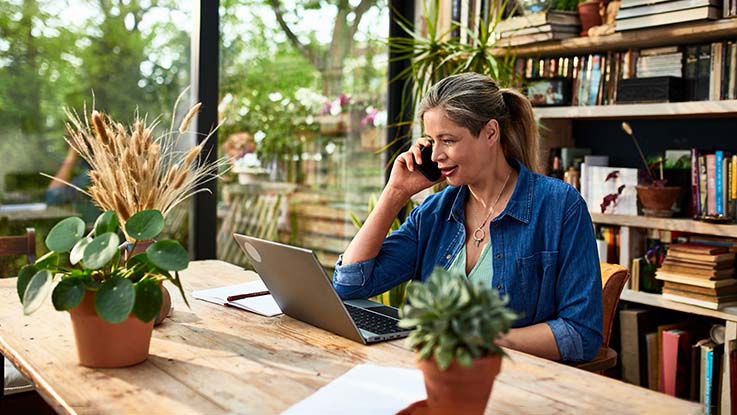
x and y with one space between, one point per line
547 92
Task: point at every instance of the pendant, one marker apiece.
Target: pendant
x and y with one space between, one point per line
478 239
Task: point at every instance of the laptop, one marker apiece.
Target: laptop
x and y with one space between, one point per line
303 291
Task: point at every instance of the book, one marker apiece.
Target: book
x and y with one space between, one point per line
541 29
638 3
633 323
732 353
710 375
662 7
709 274
699 282
679 16
717 291
534 38
716 299
557 17
663 50
263 304
704 258
711 185
676 362
653 360
703 265
719 160
690 70
700 303
661 329
697 249
701 92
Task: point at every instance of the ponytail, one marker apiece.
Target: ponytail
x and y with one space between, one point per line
520 136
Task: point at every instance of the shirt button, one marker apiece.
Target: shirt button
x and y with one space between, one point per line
498 256
499 287
447 256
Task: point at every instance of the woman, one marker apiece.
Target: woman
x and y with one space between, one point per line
527 235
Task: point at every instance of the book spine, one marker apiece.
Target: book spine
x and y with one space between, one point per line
711 186
670 361
708 381
695 198
595 79
732 70
690 71
703 188
704 73
719 182
733 187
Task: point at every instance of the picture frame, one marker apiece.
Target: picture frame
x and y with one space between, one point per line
549 92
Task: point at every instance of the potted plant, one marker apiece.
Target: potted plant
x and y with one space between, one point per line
656 198
588 12
112 298
456 325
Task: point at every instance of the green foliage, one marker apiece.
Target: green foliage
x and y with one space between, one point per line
454 319
121 286
569 5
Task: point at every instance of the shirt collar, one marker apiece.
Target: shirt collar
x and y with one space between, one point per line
519 205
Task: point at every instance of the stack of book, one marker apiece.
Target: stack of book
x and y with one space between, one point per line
538 27
699 275
636 14
665 61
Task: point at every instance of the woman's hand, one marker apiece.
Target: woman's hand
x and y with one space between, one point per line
406 178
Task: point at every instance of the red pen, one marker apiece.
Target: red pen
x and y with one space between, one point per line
248 295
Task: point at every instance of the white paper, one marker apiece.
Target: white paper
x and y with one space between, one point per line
366 389
263 304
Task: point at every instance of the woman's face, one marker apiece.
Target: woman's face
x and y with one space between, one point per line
462 157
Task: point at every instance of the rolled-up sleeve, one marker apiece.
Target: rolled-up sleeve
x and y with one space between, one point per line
394 264
578 328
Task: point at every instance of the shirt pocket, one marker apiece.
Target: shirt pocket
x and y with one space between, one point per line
532 293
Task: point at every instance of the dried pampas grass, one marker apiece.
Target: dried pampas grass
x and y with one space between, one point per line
131 170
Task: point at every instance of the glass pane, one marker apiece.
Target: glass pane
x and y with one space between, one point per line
123 56
304 103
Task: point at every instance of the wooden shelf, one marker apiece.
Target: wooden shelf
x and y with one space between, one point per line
657 300
682 33
704 109
668 224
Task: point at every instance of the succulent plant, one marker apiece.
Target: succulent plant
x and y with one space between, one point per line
454 319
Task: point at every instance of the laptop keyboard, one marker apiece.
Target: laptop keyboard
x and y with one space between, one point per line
373 322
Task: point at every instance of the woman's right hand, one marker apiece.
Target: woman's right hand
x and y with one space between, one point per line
405 177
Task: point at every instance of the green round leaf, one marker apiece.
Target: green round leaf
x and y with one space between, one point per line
148 300
145 225
107 222
68 293
78 251
65 234
51 259
36 291
114 300
101 250
168 255
24 277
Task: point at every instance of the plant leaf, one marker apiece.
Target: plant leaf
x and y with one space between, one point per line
65 234
115 299
68 294
36 291
148 299
107 222
101 250
145 225
168 255
78 251
24 277
49 260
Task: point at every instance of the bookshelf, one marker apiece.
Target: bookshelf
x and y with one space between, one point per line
666 224
729 314
699 109
690 32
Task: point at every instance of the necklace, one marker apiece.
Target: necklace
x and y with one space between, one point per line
479 234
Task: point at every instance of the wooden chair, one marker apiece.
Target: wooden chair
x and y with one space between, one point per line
16 246
613 279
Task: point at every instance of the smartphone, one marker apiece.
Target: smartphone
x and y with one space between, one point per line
428 168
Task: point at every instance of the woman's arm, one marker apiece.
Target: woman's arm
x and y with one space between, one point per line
537 339
65 171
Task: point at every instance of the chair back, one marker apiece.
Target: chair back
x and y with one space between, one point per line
20 245
613 279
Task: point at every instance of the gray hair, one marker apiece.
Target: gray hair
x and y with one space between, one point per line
471 100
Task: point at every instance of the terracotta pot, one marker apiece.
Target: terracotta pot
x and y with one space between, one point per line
140 248
588 12
658 200
459 390
101 344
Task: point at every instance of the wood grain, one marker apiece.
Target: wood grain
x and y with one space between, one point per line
701 109
214 360
667 224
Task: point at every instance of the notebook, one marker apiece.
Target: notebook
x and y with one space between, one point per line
263 304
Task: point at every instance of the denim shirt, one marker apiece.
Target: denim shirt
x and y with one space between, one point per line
544 259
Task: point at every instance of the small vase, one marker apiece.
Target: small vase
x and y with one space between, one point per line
588 12
101 344
458 389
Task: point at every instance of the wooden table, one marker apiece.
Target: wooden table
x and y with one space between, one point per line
214 360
